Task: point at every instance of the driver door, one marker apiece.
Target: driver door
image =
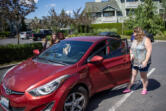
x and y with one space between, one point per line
97 71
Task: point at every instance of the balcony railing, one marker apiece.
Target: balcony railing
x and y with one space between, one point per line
113 19
132 4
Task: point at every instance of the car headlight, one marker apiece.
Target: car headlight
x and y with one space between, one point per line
49 87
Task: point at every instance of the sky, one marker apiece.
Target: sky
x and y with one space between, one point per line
43 6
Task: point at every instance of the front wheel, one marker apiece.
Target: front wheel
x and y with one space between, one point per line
76 100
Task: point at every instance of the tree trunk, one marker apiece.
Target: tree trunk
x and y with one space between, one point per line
18 36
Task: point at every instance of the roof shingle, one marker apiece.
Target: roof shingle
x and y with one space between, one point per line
99 6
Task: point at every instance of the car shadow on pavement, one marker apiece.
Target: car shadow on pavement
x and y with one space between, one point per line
96 99
152 85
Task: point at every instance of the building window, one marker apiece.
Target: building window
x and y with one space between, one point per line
152 0
108 14
130 11
119 13
131 0
157 0
122 1
161 11
98 14
93 14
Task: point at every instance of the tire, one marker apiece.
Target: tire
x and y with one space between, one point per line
76 100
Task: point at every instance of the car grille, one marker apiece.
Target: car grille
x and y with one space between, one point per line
9 91
17 109
14 109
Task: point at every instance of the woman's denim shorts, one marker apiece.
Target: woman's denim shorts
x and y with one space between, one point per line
145 69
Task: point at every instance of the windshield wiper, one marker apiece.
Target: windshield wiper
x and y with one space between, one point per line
58 62
51 61
43 59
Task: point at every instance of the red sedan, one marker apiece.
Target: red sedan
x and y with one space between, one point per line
64 76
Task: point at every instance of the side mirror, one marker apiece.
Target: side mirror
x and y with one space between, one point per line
36 51
96 59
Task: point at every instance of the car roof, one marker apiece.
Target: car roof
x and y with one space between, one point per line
88 38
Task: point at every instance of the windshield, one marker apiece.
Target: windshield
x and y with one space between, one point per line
65 52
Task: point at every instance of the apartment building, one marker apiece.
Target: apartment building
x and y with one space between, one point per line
114 11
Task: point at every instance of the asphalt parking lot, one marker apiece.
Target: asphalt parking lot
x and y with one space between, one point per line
155 100
14 41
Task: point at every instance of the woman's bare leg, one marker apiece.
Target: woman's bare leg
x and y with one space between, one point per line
144 80
133 77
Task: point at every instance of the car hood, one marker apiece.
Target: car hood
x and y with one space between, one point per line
29 73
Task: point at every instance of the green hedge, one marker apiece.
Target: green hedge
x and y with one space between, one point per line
9 53
128 32
4 34
117 26
80 34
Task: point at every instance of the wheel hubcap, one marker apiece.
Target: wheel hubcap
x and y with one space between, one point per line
74 102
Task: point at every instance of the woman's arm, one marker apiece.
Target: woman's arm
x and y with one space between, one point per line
131 55
148 46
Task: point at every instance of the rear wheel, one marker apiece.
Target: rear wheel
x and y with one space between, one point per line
76 100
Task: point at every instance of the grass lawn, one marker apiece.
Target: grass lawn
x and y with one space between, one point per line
10 63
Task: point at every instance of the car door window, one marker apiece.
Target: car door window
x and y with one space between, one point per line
100 50
116 48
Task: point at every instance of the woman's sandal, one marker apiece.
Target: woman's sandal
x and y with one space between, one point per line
144 92
126 91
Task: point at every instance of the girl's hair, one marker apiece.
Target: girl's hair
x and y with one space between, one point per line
53 39
139 34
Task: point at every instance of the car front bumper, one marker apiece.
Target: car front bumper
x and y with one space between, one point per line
26 102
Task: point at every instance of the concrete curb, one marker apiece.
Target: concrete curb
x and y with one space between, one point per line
160 40
8 66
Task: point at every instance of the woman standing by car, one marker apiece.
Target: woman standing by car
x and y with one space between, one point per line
140 51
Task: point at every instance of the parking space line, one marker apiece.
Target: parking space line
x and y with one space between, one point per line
124 98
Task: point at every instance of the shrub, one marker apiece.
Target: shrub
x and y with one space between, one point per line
128 32
164 33
160 35
114 30
80 34
19 52
4 34
96 31
48 37
117 26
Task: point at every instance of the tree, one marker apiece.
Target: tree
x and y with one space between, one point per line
146 17
53 20
82 20
164 11
35 24
3 23
164 5
23 25
16 10
64 19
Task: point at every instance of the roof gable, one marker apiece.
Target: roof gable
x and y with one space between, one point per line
99 6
